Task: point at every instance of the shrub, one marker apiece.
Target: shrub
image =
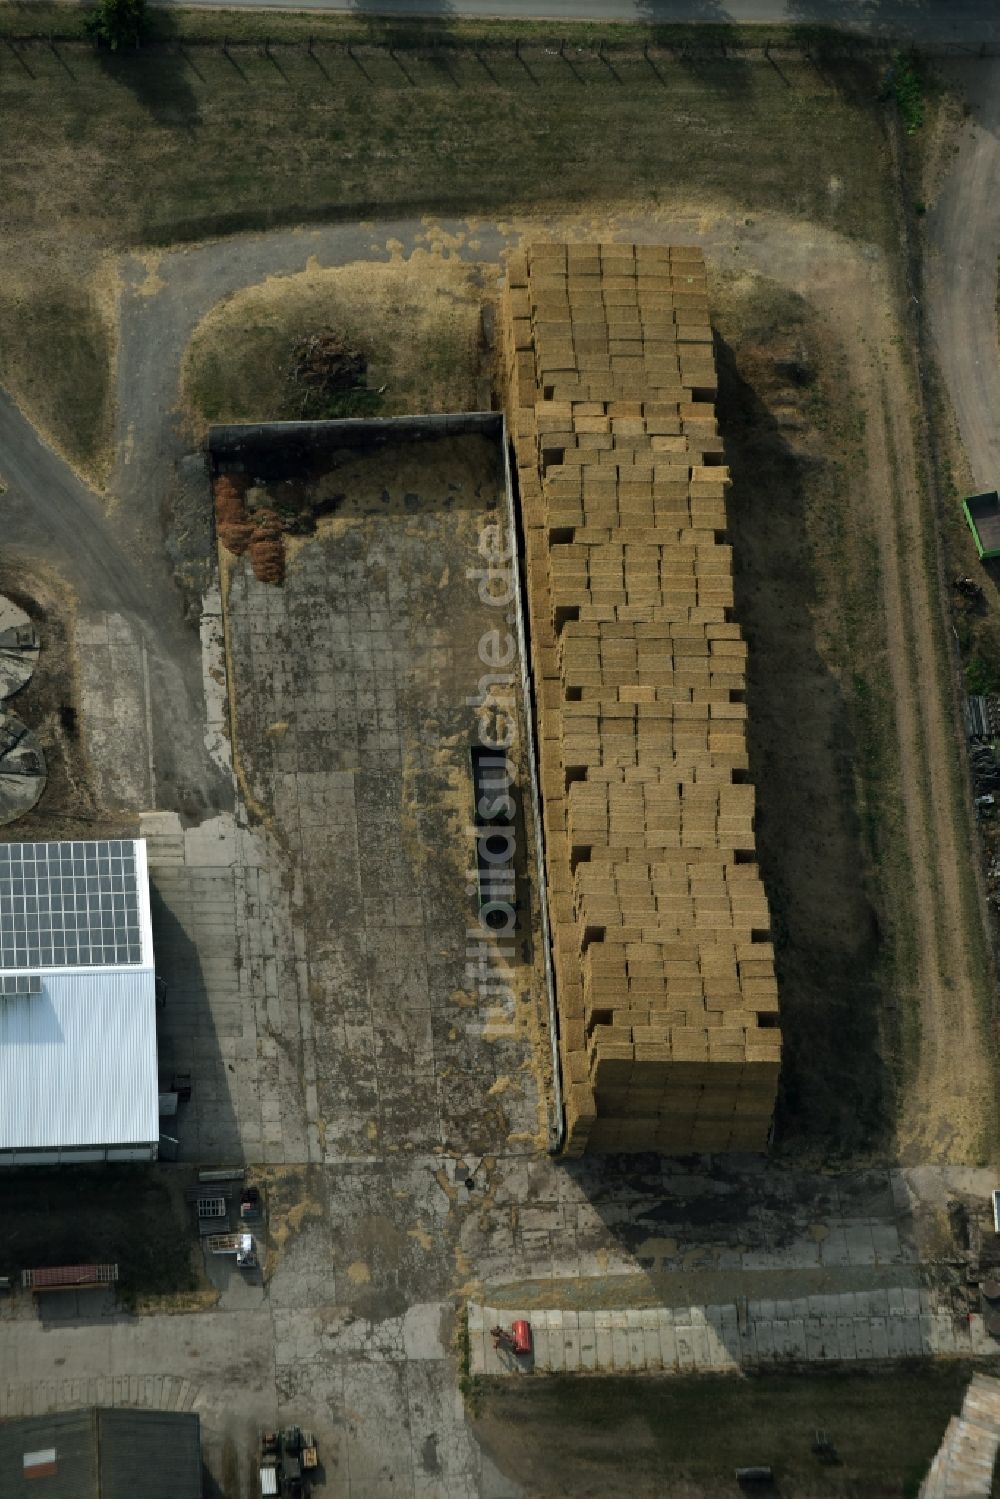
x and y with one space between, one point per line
118 23
982 677
905 84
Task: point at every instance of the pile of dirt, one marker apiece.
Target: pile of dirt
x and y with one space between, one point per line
267 548
259 535
232 525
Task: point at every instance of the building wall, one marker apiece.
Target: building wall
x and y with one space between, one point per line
89 1155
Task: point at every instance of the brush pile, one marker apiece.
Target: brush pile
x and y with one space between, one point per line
324 368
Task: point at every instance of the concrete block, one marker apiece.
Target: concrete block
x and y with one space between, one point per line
620 1353
669 1356
847 1347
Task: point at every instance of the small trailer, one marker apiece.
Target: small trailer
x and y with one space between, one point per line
69 1278
240 1245
982 514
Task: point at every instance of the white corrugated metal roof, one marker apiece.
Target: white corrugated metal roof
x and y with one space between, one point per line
78 1062
78 1059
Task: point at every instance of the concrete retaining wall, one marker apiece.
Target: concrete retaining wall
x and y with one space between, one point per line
273 450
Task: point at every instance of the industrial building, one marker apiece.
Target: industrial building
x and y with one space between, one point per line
78 1063
102 1454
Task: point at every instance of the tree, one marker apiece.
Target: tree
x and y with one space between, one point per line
118 23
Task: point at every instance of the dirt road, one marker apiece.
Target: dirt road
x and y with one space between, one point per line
946 1108
969 21
963 241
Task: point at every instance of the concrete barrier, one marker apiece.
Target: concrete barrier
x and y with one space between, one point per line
271 450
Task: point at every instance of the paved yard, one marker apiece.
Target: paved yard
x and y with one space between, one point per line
316 955
353 686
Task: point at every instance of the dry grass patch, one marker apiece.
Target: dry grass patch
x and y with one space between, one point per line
58 353
416 321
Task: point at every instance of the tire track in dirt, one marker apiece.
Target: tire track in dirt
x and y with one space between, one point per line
907 725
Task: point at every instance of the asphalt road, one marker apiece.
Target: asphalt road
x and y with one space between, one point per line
969 23
113 562
45 499
963 229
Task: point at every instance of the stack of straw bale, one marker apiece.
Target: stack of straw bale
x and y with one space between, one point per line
668 1004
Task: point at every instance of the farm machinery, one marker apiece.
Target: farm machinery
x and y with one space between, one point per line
288 1460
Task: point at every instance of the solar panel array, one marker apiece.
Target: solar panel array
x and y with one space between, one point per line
18 983
68 905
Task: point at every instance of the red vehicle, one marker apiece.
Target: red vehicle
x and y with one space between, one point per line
517 1341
